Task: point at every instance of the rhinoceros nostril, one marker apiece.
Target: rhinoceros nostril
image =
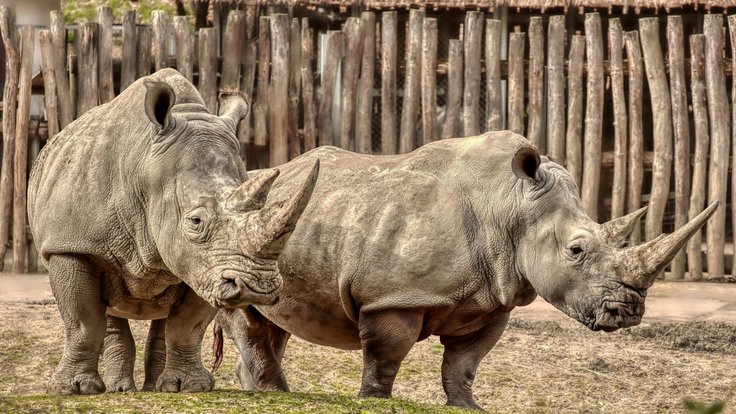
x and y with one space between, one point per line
228 290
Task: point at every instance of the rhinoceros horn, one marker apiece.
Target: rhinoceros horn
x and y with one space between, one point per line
616 231
643 263
233 107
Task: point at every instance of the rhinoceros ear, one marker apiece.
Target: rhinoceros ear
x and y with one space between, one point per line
160 98
525 163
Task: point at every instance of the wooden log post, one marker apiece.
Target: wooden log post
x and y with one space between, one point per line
184 53
556 89
681 128
494 110
515 111
129 59
295 61
10 101
245 127
260 106
654 68
279 100
104 54
592 139
715 80
410 103
160 22
335 41
208 67
49 82
429 80
144 38
535 131
87 84
388 83
453 127
349 83
471 90
20 160
635 179
732 29
58 38
573 142
232 51
307 76
363 132
702 141
615 50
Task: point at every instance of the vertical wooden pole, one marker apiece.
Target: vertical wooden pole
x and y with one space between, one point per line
363 122
260 106
87 64
556 89
636 132
429 80
200 9
144 38
453 127
49 82
245 128
104 22
515 111
20 176
184 61
535 132
279 100
160 49
681 128
494 111
388 83
615 50
715 80
732 28
129 60
593 114
58 37
310 110
335 40
349 83
471 90
10 101
410 105
654 68
232 51
702 141
208 67
295 61
573 143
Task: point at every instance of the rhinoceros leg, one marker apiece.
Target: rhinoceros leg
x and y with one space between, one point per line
118 356
76 287
261 344
185 327
462 357
154 354
386 337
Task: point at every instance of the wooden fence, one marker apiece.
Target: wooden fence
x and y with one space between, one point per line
608 103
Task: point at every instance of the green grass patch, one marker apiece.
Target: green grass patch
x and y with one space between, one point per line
86 10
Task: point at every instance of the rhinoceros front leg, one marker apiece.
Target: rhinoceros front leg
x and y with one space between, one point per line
261 344
462 357
185 327
118 356
154 360
386 337
76 287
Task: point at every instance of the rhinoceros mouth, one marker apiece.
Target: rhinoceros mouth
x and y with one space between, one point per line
621 308
238 290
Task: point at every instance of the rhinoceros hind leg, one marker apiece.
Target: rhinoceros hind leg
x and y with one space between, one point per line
118 356
76 287
462 357
185 327
386 337
154 359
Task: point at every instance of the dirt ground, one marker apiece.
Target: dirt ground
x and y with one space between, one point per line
545 362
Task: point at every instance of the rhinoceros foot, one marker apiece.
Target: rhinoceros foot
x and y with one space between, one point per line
65 382
119 384
173 380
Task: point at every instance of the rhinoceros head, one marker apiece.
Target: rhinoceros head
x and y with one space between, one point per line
584 268
211 228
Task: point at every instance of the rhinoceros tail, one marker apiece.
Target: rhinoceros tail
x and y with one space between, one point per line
217 345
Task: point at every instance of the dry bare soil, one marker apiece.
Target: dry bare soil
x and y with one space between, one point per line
539 366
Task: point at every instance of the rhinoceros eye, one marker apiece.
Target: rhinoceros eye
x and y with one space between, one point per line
195 220
576 251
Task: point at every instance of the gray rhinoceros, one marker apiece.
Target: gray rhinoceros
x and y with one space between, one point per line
142 209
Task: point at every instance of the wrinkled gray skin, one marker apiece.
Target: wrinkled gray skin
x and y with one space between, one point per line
141 210
444 241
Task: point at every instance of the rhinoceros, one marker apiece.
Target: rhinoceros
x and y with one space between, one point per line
142 209
445 241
